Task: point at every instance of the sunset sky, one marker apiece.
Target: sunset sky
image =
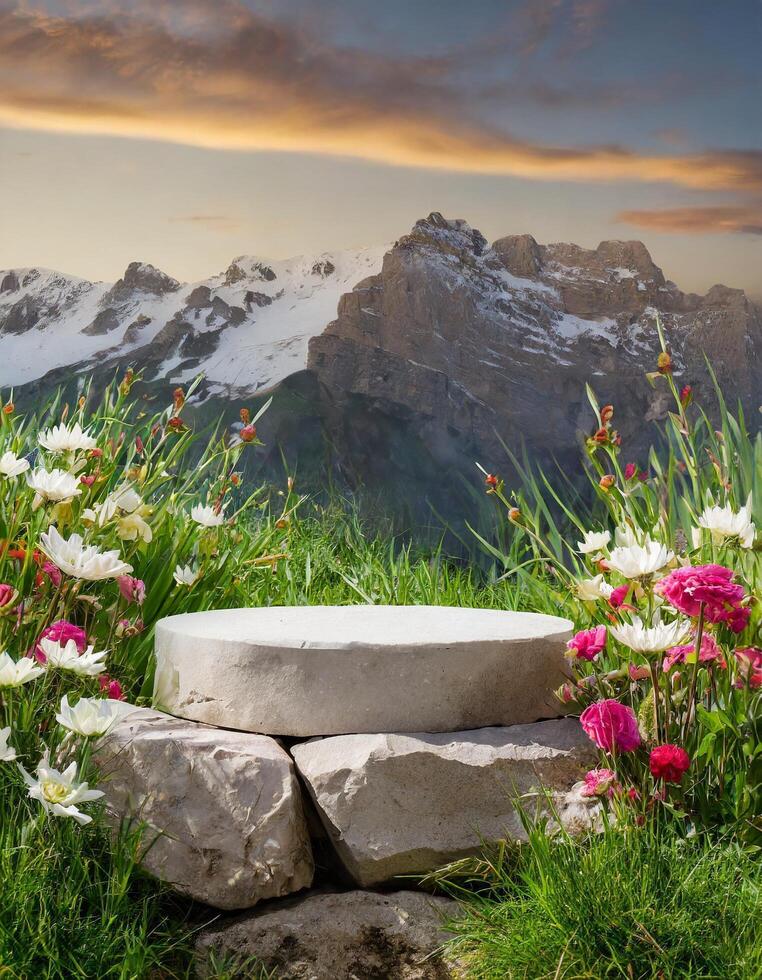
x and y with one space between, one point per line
184 132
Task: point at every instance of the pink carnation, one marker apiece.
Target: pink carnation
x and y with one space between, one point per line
587 644
600 782
61 632
618 596
687 588
710 651
669 762
611 725
749 663
133 589
111 688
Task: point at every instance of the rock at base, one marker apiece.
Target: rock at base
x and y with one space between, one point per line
226 805
344 936
408 804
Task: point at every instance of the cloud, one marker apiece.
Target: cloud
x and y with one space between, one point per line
216 222
717 219
216 74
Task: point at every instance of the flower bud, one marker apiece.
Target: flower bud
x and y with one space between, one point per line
607 482
607 413
248 433
664 362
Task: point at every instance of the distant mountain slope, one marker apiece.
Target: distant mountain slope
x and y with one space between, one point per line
397 367
246 328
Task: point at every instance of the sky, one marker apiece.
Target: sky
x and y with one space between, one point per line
186 132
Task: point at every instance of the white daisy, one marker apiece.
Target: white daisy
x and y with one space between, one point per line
186 575
67 657
82 561
61 439
724 522
639 560
593 541
15 673
12 465
207 516
651 639
54 485
59 792
90 716
7 752
591 589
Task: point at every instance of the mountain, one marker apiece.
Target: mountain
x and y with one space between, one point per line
398 367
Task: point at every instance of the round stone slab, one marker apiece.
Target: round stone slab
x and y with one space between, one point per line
334 670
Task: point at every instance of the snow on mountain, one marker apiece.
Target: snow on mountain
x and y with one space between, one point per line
246 328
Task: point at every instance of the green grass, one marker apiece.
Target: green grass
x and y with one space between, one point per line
636 904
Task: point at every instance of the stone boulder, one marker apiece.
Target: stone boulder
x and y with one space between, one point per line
350 936
407 804
224 816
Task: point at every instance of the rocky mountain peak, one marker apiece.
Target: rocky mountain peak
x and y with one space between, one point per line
453 235
141 277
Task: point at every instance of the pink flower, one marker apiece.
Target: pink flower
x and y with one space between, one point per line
687 588
52 572
749 664
618 596
611 725
669 762
710 651
638 672
587 644
7 594
600 782
133 589
61 632
112 688
565 694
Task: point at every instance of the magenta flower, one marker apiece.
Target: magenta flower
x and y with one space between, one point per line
749 664
7 594
611 725
587 644
111 688
61 632
687 588
618 596
600 782
133 589
710 651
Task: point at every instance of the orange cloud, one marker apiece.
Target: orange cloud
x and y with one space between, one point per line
218 75
718 219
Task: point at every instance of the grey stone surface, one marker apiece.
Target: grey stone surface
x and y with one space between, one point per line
404 804
338 936
303 671
226 806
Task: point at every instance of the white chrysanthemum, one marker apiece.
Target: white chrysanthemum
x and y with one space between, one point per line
639 560
651 639
67 657
124 498
59 792
207 516
12 465
61 439
90 716
7 752
53 485
15 673
593 541
82 561
186 575
591 589
724 522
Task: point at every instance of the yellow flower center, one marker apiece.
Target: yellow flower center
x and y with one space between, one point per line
54 792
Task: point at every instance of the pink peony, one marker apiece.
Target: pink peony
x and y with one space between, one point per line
587 644
133 589
111 688
749 664
61 632
710 651
669 762
611 725
600 782
687 588
618 596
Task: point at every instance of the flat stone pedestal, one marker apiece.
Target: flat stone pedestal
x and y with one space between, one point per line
331 670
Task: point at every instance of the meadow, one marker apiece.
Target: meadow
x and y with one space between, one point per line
112 518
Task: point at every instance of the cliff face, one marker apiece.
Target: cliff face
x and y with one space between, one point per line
456 346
